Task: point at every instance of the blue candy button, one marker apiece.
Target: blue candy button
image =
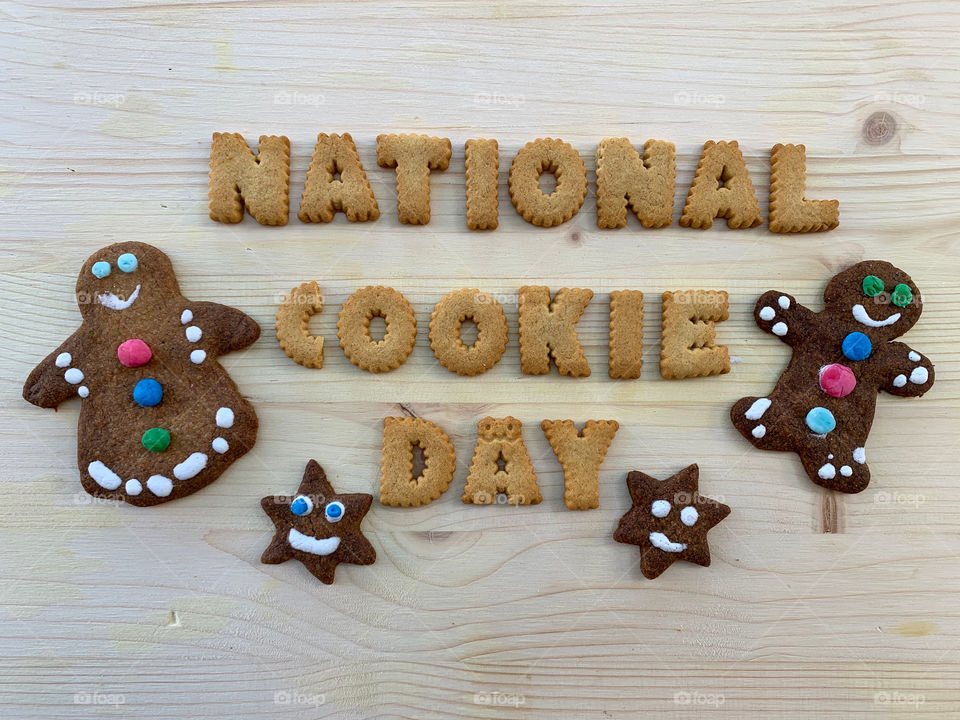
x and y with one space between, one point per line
857 346
821 421
147 392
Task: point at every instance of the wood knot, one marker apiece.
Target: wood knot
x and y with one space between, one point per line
879 128
831 521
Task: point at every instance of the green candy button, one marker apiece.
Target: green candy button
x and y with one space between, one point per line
901 295
872 286
156 439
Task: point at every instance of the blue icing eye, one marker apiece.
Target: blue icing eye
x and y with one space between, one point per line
101 269
334 511
301 505
127 262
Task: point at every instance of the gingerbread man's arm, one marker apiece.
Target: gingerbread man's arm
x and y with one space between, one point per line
59 376
781 315
224 328
907 373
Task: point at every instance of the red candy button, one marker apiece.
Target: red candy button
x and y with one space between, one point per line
837 380
134 353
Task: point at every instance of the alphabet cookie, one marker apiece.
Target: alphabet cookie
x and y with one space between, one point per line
318 527
160 417
823 404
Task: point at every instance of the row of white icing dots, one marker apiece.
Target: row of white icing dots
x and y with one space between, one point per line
72 375
193 333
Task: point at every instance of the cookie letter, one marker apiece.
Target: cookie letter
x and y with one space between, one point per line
548 329
414 156
335 156
398 487
449 315
482 165
581 455
721 188
500 444
353 329
790 212
646 184
626 334
687 349
294 314
552 156
238 178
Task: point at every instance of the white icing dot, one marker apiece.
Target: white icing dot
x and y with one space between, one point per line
186 316
190 467
159 485
73 376
63 359
83 391
784 302
220 445
780 329
846 471
919 376
827 472
914 355
759 407
830 456
662 542
104 476
900 380
860 455
660 508
759 431
197 357
194 333
133 487
767 313
225 417
689 515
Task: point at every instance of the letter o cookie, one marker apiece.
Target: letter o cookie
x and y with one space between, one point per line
553 156
445 324
353 329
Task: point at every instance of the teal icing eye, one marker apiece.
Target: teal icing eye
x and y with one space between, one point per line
301 505
901 295
872 286
334 511
100 269
127 262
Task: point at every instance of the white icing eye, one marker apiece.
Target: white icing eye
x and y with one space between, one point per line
689 515
301 505
660 508
334 511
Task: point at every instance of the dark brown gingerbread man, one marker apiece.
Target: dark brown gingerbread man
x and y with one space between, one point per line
160 417
823 405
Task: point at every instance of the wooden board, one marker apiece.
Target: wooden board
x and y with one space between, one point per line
816 604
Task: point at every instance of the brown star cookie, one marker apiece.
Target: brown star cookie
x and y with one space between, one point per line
318 527
669 520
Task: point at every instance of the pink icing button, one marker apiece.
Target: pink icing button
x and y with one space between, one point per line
837 380
134 353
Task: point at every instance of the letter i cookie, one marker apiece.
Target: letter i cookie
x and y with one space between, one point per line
160 417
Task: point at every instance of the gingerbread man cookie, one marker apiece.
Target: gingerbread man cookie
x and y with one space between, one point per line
160 417
823 405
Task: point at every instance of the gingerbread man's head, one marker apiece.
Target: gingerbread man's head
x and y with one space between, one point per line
876 298
123 276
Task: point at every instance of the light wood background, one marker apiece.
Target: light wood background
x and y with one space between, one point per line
816 603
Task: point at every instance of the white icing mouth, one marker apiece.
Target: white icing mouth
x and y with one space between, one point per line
113 302
662 542
860 315
312 545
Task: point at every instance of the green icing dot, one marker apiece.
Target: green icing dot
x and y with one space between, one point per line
156 439
901 295
872 286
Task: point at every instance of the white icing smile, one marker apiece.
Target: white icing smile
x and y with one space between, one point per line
312 545
860 315
113 302
662 542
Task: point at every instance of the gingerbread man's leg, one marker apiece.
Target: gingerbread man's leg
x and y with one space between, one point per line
840 464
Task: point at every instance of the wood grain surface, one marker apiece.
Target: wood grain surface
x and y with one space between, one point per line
816 604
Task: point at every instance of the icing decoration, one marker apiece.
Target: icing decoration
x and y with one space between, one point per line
133 487
134 353
312 545
100 269
63 360
83 391
857 346
104 476
821 421
689 516
198 356
861 316
334 511
186 316
220 445
767 313
759 431
827 472
156 439
900 380
225 417
860 455
872 286
779 329
919 375
194 333
190 467
660 508
846 470
757 409
662 542
837 380
147 392
301 505
901 295
113 302
73 376
127 262
784 302
159 485
914 356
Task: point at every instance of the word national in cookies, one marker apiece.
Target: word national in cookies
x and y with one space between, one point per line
626 182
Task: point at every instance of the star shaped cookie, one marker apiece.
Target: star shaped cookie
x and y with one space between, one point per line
318 527
669 520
